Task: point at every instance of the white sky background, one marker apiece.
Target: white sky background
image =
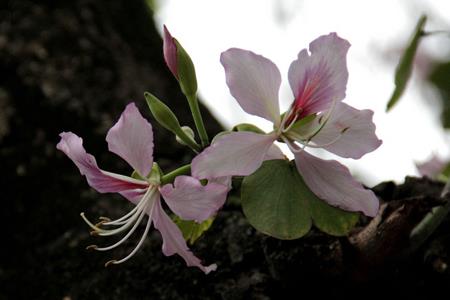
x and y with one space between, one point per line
279 29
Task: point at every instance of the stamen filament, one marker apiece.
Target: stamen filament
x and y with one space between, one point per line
133 229
132 219
89 223
126 178
283 130
138 246
327 117
122 220
326 144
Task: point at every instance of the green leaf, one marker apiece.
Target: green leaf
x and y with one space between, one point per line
330 219
192 230
277 202
440 78
404 67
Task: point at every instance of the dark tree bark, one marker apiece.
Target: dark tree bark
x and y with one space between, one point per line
73 66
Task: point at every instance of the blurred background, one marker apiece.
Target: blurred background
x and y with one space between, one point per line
378 32
74 65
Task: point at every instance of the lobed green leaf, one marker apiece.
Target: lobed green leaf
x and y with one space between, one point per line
277 202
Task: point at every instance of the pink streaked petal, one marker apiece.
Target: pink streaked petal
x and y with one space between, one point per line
173 241
333 183
254 81
320 78
432 167
190 200
132 139
235 153
102 181
170 52
352 130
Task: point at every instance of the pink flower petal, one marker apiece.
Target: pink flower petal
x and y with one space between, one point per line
173 241
102 181
190 200
254 81
333 183
433 167
132 139
274 153
320 78
349 132
235 153
170 52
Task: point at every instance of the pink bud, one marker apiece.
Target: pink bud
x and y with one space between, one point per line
170 52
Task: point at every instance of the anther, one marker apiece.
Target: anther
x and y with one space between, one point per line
101 223
104 219
110 262
91 247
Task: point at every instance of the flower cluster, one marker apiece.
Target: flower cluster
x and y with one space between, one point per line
317 118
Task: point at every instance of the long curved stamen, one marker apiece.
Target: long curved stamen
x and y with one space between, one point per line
126 178
133 229
326 144
138 246
285 119
90 223
283 130
128 222
107 221
146 202
323 122
123 219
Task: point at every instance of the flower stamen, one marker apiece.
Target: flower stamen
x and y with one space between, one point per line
133 218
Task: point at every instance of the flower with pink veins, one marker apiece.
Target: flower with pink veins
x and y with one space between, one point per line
132 139
317 118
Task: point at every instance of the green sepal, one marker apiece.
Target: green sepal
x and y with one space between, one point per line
136 175
219 135
192 230
164 115
303 122
154 176
303 129
186 71
404 67
277 202
248 127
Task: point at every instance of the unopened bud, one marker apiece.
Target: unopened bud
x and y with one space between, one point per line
180 64
189 132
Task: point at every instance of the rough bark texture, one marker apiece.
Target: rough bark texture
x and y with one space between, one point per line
73 65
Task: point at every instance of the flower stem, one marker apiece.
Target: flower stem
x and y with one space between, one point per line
170 177
430 222
198 120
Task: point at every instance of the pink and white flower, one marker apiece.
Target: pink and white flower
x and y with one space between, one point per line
132 139
317 118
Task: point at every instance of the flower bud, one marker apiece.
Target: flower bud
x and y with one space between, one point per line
189 132
164 115
180 64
